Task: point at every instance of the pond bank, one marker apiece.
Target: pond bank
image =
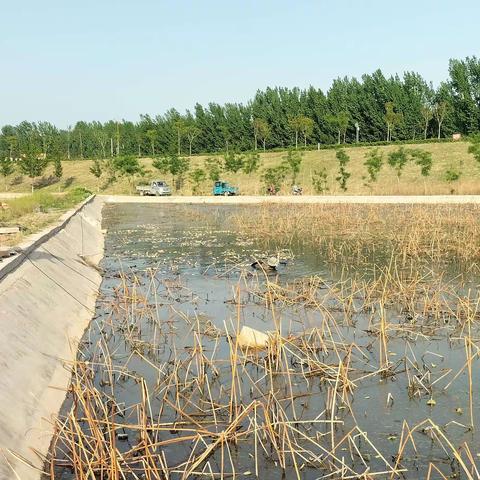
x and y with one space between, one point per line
47 299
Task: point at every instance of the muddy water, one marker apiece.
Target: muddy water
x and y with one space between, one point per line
191 272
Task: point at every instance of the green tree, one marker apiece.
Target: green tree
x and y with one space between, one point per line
427 115
33 164
306 128
340 123
179 166
180 129
197 176
232 162
213 167
128 166
7 167
452 175
392 119
273 177
397 159
373 162
320 181
423 159
257 126
295 125
251 163
343 174
474 147
191 132
12 143
175 165
440 112
96 169
293 161
57 167
263 131
101 137
300 124
151 134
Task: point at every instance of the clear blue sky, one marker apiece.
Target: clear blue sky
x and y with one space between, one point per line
65 60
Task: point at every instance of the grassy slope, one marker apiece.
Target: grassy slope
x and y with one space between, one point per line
34 212
444 155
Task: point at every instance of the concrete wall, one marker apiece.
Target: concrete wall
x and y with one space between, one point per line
47 299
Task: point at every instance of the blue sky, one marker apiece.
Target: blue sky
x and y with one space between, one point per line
65 60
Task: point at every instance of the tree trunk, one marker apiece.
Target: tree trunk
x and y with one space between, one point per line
190 147
263 144
439 129
32 180
81 146
425 131
338 139
344 137
118 140
178 141
255 135
305 140
111 146
296 139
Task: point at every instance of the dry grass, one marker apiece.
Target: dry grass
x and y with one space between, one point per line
210 406
445 155
34 212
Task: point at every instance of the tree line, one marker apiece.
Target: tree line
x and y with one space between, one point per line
370 109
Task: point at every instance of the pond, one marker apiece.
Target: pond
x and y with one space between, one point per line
365 372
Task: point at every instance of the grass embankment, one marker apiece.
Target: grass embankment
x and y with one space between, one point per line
33 212
445 156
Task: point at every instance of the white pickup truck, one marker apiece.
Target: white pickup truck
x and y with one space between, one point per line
158 188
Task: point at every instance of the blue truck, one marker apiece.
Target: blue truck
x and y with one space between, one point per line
224 188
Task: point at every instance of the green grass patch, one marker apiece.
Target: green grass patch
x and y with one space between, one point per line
41 203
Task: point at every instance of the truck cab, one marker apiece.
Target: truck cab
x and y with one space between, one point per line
224 188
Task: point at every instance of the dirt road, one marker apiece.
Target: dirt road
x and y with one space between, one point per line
318 199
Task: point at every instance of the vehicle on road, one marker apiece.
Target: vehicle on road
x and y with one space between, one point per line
224 188
158 188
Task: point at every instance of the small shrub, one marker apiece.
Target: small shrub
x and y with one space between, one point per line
319 181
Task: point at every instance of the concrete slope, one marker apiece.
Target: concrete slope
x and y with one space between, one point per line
46 302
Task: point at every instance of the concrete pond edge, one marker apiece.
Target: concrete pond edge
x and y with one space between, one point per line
33 241
48 294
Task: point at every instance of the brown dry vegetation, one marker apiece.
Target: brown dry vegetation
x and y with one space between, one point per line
411 233
206 411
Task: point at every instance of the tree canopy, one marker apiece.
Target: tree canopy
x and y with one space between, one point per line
405 107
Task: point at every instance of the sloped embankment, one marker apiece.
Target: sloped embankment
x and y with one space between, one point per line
47 299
